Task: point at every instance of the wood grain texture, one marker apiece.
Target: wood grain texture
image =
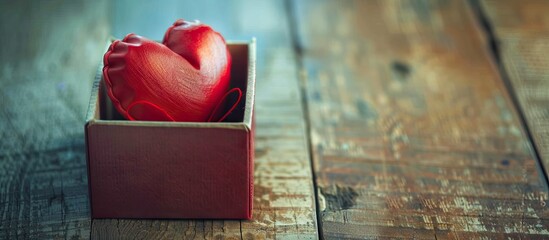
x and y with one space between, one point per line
521 29
48 57
284 203
413 133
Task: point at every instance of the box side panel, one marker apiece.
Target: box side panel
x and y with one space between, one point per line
250 91
155 172
239 76
92 112
87 126
251 157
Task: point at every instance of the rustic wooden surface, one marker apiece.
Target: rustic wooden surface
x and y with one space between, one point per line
48 56
413 133
522 33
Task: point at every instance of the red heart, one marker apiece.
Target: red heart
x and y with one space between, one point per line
182 81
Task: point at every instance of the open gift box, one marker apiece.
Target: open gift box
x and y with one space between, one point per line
146 169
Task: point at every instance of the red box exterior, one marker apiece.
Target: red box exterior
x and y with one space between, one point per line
142 169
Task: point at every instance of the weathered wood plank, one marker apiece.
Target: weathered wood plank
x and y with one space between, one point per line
48 57
413 133
522 30
284 203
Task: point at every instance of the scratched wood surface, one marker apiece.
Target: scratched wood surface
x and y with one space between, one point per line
413 133
48 56
284 203
522 31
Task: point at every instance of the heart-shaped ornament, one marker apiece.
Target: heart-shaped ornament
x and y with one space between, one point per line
185 79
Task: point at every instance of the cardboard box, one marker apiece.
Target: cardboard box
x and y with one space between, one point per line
145 169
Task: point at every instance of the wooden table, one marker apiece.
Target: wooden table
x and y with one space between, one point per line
375 119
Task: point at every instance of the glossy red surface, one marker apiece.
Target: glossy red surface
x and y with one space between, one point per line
183 79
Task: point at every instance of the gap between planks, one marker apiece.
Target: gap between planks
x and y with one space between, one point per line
494 48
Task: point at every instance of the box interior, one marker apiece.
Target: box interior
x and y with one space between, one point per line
239 77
